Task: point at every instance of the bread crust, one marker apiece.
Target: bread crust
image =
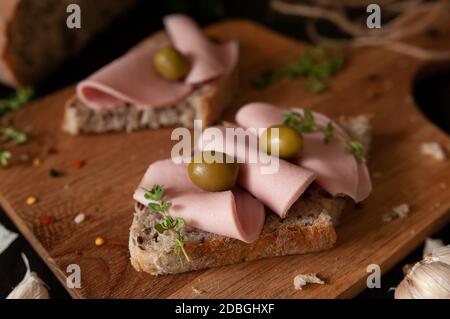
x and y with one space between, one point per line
308 228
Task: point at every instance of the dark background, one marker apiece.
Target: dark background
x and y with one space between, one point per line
432 94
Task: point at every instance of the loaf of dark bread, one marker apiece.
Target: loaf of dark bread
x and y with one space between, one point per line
35 39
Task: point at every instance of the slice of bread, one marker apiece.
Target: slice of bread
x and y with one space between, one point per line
309 227
206 103
35 40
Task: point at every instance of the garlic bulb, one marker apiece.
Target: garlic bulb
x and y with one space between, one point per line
429 278
31 286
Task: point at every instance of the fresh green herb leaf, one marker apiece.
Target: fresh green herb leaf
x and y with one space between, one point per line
160 228
168 223
309 117
265 79
356 149
292 118
155 207
5 157
328 132
156 193
13 103
165 205
316 85
180 223
10 134
306 124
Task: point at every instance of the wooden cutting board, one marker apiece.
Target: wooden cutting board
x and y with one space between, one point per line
375 81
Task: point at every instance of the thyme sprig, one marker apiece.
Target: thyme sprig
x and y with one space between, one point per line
306 124
356 149
8 134
316 66
11 134
5 157
168 223
15 102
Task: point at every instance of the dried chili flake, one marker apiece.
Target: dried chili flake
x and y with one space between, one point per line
52 151
103 269
79 164
46 220
78 253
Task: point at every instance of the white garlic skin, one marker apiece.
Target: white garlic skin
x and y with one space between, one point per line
31 286
429 278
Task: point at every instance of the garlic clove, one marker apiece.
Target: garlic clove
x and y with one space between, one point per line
31 286
432 280
406 290
443 254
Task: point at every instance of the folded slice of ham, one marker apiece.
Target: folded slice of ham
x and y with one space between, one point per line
132 78
337 172
234 214
278 190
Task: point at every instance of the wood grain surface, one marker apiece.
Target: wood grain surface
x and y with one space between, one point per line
375 81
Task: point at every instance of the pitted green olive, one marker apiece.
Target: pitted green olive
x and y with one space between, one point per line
213 171
289 141
170 64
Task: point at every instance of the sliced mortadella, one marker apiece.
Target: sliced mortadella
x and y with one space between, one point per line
234 214
209 60
132 78
278 184
337 172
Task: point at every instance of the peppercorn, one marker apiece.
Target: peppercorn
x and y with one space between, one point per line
54 173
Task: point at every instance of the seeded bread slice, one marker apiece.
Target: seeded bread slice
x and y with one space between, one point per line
205 103
309 227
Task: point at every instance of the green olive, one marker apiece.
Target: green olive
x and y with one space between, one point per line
171 64
289 141
213 171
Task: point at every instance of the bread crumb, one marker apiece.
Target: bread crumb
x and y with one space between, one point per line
198 291
433 149
303 280
400 211
409 100
79 218
376 174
